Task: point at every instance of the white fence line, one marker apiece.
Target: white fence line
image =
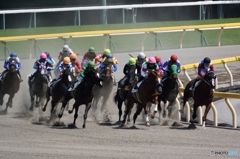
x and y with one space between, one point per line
179 4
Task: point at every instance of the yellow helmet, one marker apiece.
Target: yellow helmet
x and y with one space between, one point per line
132 61
73 56
66 60
107 52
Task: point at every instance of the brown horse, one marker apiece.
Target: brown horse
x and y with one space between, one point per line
202 94
10 85
148 92
104 92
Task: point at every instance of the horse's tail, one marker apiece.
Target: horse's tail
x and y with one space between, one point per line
116 97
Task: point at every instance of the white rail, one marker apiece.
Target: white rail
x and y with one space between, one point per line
118 7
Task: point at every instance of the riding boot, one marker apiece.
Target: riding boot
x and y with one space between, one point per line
139 80
193 85
74 86
2 74
20 77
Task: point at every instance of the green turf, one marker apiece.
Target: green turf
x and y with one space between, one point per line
123 43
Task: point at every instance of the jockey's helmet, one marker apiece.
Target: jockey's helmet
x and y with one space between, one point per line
141 55
43 56
174 58
132 61
207 60
91 50
73 56
91 64
158 58
107 52
152 60
13 55
66 60
65 48
47 53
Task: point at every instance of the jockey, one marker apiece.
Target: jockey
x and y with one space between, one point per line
50 58
43 59
100 57
64 51
203 67
13 56
159 62
131 64
85 69
89 56
75 63
172 60
64 64
141 58
148 66
108 59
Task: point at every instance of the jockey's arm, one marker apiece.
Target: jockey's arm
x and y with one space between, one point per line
79 68
84 56
53 61
114 67
6 62
200 70
125 70
179 67
144 70
211 67
36 64
60 55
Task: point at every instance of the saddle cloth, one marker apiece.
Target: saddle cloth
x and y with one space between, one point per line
138 85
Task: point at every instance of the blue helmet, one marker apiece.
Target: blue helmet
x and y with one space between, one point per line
13 54
109 56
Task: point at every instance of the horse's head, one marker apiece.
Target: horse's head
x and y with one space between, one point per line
66 72
132 74
173 72
107 72
155 77
12 67
93 76
42 68
209 78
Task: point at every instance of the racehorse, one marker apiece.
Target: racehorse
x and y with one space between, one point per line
39 86
121 94
58 90
148 92
10 84
202 94
82 95
169 92
104 92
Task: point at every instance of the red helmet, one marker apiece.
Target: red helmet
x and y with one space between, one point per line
158 58
174 58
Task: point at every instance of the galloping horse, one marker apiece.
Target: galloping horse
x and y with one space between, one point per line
64 54
169 92
122 93
202 94
10 84
82 95
58 90
39 86
148 92
104 92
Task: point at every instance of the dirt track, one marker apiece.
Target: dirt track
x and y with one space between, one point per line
23 136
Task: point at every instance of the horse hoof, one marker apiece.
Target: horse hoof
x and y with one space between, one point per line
70 111
152 116
84 126
59 116
148 124
31 108
43 109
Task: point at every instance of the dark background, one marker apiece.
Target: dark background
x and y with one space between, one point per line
114 16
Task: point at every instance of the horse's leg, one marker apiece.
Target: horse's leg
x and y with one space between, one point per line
128 108
165 110
204 118
1 98
88 106
120 102
195 106
138 111
67 97
9 103
53 110
76 106
155 111
48 98
159 111
32 102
